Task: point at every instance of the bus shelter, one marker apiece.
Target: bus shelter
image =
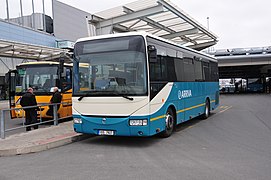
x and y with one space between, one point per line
13 53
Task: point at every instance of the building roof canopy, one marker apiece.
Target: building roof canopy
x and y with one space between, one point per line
31 52
159 17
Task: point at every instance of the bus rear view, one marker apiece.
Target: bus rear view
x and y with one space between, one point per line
126 85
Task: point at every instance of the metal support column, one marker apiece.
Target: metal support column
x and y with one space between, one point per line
2 124
55 114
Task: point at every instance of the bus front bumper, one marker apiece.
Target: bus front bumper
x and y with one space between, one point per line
116 126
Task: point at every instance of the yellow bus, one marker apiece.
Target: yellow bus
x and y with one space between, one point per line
42 77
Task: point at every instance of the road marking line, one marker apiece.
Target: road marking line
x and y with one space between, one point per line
227 108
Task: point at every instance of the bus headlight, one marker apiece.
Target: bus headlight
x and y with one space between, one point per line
138 122
77 120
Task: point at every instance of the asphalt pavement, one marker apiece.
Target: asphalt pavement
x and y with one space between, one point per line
234 143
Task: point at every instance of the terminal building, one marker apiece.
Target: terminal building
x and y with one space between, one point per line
39 36
244 69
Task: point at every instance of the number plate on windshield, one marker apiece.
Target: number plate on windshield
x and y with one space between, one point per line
105 133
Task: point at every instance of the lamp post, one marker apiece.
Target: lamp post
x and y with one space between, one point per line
7 10
208 23
33 15
44 23
22 15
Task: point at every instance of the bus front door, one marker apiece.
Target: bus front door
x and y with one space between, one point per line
11 77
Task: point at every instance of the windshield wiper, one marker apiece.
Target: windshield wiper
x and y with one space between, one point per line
81 97
85 95
114 92
127 97
122 95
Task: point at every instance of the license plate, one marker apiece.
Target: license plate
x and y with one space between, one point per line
105 133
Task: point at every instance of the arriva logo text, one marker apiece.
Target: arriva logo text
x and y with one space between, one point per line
184 94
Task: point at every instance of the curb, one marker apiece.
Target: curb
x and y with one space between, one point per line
44 145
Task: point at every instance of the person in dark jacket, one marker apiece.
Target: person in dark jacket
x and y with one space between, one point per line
56 98
29 99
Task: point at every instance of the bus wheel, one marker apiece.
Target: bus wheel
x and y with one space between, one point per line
206 113
169 124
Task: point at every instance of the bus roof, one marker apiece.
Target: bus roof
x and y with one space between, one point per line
145 34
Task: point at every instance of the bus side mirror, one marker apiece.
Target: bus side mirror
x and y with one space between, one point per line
152 53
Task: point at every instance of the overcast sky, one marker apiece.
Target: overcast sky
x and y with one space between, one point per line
238 24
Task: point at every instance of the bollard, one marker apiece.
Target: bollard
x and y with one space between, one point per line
55 114
40 113
2 124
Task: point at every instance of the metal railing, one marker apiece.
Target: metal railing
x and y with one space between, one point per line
55 119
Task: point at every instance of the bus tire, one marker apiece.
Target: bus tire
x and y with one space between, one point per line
206 113
169 124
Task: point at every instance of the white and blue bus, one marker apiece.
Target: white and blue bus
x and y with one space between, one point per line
136 84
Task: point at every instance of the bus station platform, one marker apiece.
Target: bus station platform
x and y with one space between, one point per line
40 139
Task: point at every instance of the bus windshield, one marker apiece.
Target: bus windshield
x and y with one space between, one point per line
113 66
41 79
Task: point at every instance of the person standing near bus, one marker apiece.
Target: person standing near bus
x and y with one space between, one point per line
56 98
29 99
